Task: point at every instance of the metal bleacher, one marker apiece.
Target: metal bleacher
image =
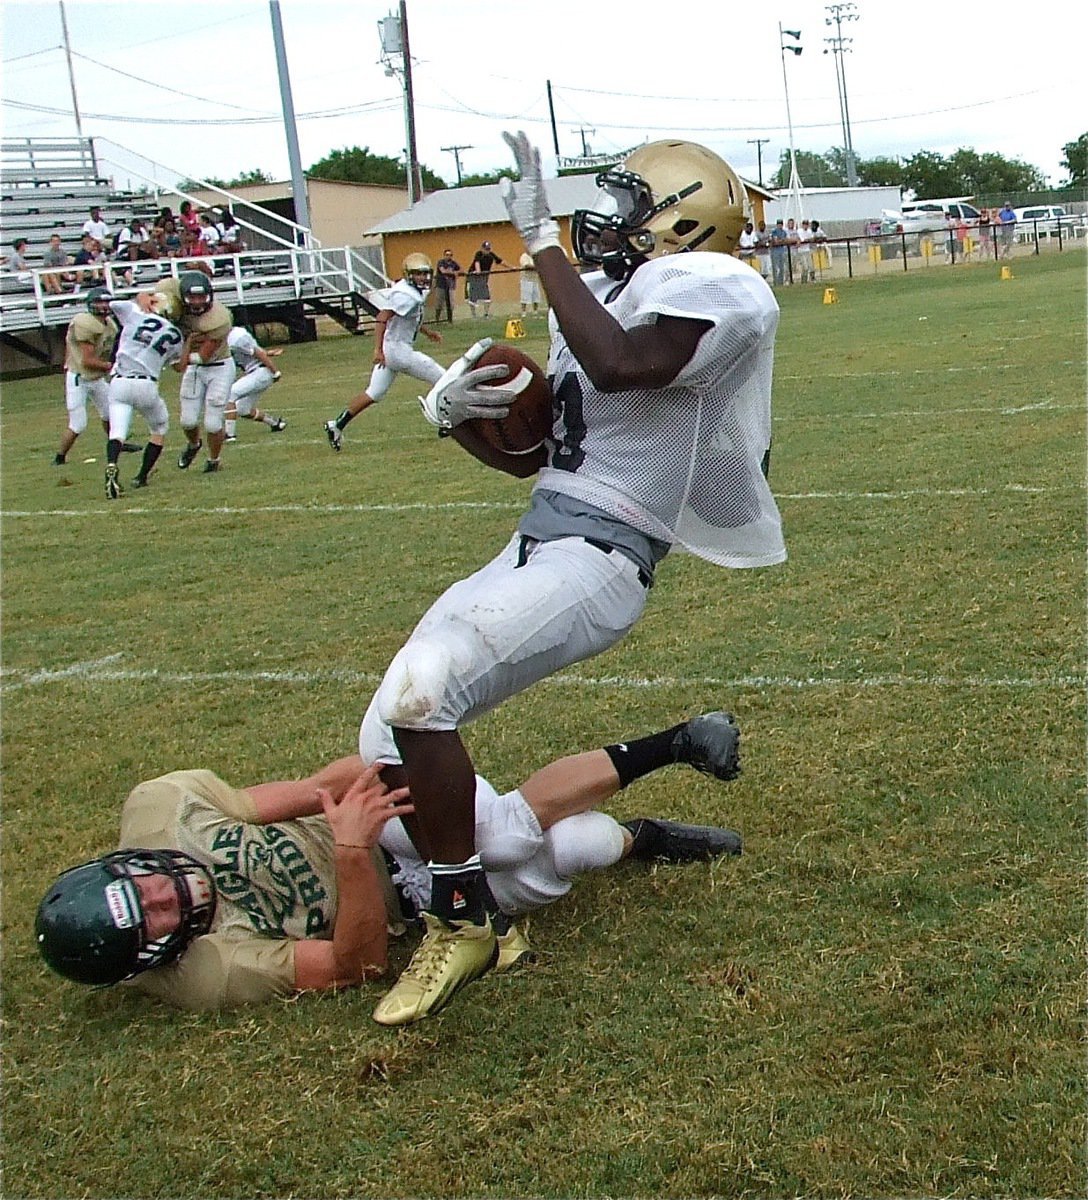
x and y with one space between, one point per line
48 186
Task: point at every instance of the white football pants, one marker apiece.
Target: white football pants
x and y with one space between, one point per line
136 395
206 387
78 390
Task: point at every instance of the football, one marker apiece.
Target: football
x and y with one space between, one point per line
530 418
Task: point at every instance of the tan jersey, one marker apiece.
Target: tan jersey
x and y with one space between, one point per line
215 323
171 289
275 885
88 328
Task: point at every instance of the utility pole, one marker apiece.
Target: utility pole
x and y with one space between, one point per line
298 180
71 73
840 46
759 143
456 152
585 145
393 31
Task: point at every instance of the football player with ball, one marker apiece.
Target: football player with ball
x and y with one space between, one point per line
661 363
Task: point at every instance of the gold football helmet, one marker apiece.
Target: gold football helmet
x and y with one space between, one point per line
664 198
418 271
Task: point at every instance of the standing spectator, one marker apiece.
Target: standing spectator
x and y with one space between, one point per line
530 285
87 346
55 256
96 227
444 283
399 320
479 278
821 257
804 252
779 253
1007 219
763 250
746 246
985 234
90 257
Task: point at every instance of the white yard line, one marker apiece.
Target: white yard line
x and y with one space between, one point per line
101 671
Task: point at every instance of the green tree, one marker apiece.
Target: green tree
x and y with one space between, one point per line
481 179
355 164
816 170
880 172
1076 161
254 176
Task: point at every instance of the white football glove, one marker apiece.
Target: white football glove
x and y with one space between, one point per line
526 200
277 376
460 395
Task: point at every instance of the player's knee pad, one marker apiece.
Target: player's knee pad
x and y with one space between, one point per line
585 842
158 421
245 403
413 694
213 417
381 380
77 419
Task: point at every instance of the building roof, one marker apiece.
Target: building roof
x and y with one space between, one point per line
482 205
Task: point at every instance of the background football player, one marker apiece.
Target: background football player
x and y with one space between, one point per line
395 330
148 342
223 896
257 374
88 347
208 367
661 363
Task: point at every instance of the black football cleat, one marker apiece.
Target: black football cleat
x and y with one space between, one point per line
211 466
711 744
130 448
188 454
672 842
141 481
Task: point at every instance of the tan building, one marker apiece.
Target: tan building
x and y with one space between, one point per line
339 212
462 219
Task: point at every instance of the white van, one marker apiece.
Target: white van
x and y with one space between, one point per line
1045 220
924 216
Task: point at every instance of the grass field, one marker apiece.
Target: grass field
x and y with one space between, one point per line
881 998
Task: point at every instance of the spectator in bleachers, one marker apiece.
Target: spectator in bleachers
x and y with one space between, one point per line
134 241
230 234
171 239
89 256
55 256
166 213
96 227
189 221
16 260
209 235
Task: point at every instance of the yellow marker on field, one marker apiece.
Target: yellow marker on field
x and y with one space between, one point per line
1006 273
515 329
875 255
831 296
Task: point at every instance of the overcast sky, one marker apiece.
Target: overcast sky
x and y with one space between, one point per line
192 87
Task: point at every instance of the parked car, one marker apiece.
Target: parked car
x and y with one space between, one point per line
922 216
1045 219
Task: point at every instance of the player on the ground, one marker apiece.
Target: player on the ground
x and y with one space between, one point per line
258 374
147 344
208 367
395 330
661 364
221 896
88 345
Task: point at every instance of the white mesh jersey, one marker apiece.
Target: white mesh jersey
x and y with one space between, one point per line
406 303
243 348
682 463
148 342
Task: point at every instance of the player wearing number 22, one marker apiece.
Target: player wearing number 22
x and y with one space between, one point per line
661 363
147 344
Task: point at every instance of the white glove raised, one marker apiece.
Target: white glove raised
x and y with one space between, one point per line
526 201
460 395
277 376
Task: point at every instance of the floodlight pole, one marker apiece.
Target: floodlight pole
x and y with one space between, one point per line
794 198
298 179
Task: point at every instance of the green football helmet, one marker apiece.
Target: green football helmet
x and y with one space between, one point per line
91 928
98 301
196 291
